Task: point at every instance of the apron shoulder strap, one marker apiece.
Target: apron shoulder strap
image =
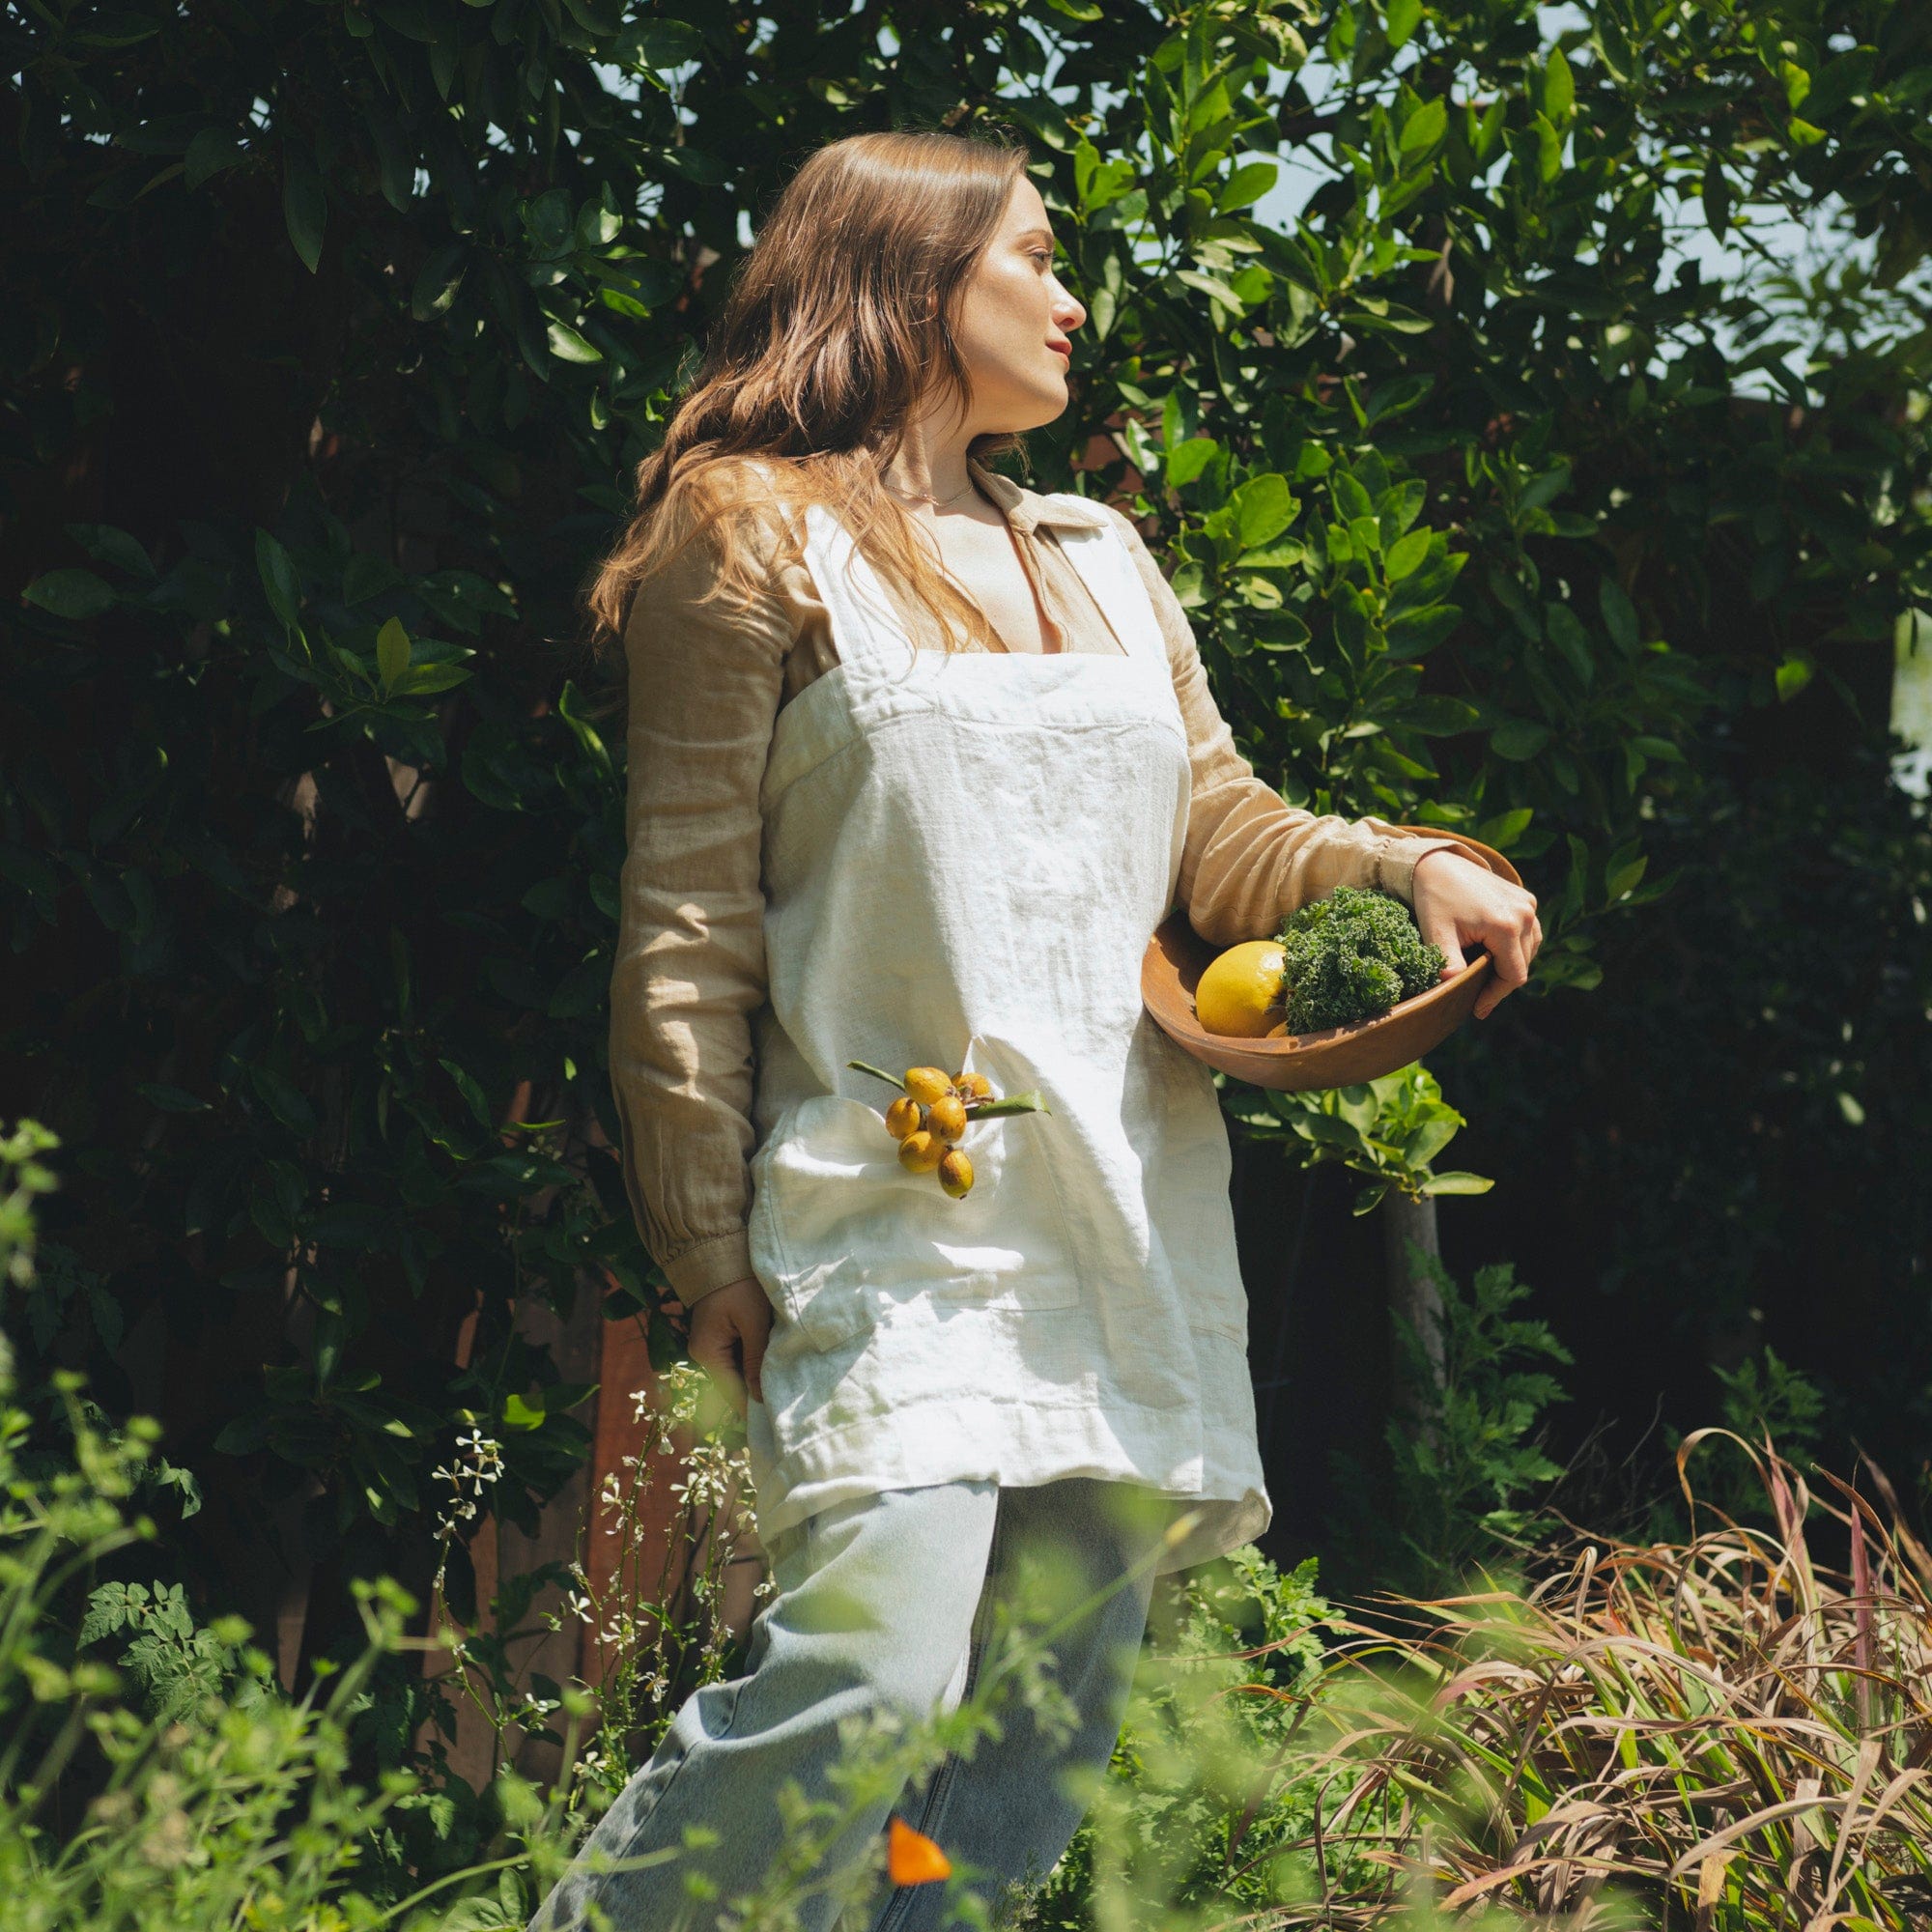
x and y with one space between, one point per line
1099 554
864 623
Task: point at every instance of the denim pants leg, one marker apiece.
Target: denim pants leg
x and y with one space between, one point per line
885 1603
1010 1807
873 1610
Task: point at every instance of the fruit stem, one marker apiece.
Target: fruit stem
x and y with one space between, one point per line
1028 1102
878 1072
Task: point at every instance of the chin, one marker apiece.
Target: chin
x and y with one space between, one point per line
1042 407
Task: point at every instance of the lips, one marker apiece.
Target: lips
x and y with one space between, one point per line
1064 348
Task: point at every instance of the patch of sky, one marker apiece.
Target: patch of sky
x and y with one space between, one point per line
1912 703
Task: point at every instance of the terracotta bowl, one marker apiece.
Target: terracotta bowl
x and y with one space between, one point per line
1335 1056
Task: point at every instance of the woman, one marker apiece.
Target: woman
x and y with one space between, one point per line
918 760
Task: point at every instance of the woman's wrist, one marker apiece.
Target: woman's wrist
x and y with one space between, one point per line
1402 852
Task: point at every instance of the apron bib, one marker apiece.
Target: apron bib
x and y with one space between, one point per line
965 855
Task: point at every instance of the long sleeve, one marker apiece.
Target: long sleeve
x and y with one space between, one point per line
705 685
1251 858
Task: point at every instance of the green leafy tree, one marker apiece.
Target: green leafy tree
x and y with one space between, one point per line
332 332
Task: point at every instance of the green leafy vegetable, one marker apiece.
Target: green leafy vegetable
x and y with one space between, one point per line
1350 956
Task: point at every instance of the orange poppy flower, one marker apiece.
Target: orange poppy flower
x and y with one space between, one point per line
911 1856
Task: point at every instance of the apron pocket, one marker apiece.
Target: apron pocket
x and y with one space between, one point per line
846 1240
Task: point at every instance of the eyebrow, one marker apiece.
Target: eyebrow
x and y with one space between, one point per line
1037 235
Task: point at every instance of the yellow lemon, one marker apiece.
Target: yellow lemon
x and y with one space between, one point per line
1240 993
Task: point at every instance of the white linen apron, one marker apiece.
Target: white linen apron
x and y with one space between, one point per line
965 855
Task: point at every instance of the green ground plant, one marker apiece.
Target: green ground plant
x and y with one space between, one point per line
1467 1482
1625 1735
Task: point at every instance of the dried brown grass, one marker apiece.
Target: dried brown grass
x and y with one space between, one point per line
1722 1735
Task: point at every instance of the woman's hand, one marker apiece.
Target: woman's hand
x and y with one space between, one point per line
1458 902
728 1328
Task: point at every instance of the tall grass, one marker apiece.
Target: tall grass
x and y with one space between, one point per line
1723 1735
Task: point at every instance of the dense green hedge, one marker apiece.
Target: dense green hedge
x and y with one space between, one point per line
333 330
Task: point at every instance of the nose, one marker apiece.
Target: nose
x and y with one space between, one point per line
1068 312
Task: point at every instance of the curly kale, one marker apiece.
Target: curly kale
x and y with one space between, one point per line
1350 956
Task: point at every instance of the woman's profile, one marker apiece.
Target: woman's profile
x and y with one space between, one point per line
918 760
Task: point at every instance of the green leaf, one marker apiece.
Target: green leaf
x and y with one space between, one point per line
659 46
1263 507
1559 88
1621 879
1408 554
304 202
1716 197
392 652
1506 828
1246 186
1793 675
1436 715
568 346
1518 738
211 151
439 279
280 580
1352 501
1401 20
1548 148
1416 633
73 594
1189 459
1425 128
1561 626
472 1094
284 1099
1619 615
693 166
170 1099
420 680
116 30
1369 1199
105 544
1454 1182
1392 318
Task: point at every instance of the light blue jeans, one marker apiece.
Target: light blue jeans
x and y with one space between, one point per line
885 1604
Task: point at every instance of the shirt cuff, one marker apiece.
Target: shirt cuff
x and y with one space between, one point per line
716 1262
1396 855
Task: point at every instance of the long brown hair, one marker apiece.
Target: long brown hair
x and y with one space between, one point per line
840 318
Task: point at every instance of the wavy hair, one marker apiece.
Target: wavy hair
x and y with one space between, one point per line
839 322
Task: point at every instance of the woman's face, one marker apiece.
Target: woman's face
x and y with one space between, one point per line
1013 323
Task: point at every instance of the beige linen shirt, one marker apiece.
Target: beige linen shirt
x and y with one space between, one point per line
707 680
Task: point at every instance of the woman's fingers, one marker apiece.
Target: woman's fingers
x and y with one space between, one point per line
1465 904
1512 946
752 1340
730 1327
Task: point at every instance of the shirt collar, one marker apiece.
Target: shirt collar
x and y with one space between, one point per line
1028 510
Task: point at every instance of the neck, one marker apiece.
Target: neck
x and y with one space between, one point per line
930 461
